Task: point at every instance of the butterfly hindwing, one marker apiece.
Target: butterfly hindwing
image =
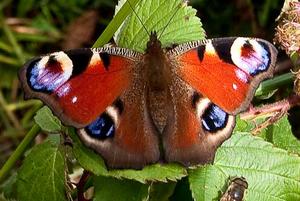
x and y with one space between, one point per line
226 70
133 141
196 129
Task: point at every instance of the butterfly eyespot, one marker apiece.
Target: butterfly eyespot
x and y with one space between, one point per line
103 127
48 73
214 118
250 55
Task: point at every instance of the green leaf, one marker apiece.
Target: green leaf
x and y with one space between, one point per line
111 189
9 187
273 84
86 157
243 126
156 172
272 174
182 191
283 137
122 11
161 191
93 162
250 125
42 175
155 16
24 6
47 121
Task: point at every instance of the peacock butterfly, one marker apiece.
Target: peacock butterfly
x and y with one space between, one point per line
134 109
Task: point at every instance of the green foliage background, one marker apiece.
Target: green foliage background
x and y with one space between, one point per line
270 163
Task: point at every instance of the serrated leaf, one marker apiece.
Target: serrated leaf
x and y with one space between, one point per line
111 189
283 137
86 157
243 126
176 21
156 172
249 126
42 176
47 121
272 173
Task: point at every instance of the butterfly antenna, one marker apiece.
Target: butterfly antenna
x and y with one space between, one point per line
171 19
138 17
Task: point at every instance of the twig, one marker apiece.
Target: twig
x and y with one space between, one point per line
270 109
274 111
81 184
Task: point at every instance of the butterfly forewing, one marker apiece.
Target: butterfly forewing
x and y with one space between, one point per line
226 70
79 84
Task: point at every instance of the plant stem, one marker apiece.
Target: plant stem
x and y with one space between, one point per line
115 23
19 151
80 186
270 109
272 84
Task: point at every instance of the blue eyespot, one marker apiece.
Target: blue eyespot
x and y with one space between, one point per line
103 127
33 75
35 82
47 76
214 118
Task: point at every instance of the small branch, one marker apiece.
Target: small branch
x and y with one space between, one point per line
272 84
273 111
80 186
270 109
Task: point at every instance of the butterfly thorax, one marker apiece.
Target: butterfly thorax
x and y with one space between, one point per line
158 79
157 74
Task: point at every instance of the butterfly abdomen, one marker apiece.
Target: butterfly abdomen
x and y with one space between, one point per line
159 107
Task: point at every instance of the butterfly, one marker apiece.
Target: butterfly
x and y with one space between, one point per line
164 105
235 190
